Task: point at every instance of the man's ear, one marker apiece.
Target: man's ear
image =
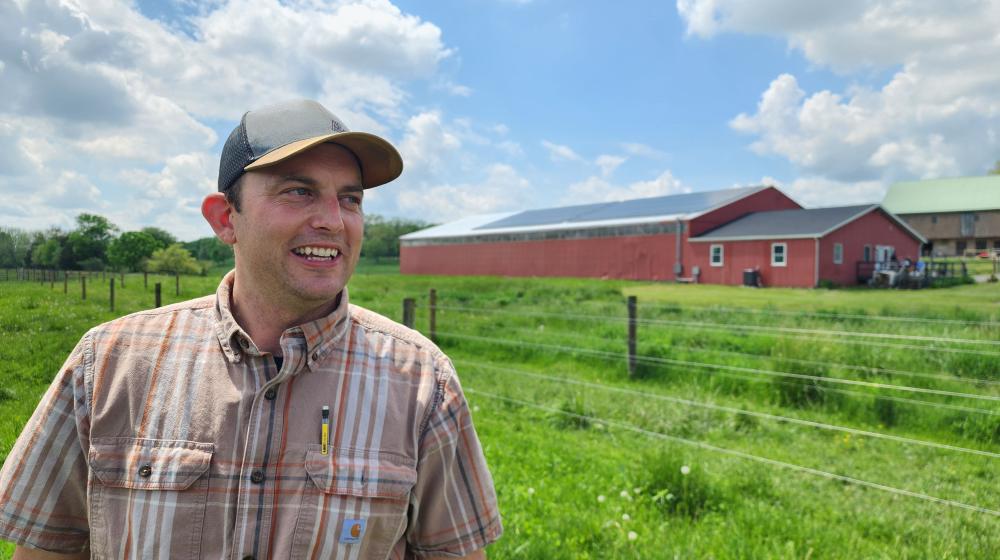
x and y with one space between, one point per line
218 212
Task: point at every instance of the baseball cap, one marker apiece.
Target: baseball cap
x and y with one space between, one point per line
271 134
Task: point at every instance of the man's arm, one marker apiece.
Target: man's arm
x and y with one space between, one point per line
23 553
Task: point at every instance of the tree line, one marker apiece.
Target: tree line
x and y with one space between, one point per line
95 243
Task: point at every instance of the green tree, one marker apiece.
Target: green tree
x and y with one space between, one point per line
47 253
14 247
129 250
210 249
174 259
996 168
382 235
89 241
163 238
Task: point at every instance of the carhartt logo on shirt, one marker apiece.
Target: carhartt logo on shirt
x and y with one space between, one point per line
352 531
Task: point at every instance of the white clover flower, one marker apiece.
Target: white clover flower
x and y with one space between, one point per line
475 408
626 517
531 490
685 470
632 535
601 498
624 494
636 490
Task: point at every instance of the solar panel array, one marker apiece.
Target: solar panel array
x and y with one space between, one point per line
687 203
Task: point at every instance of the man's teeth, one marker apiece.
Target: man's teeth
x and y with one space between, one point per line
316 253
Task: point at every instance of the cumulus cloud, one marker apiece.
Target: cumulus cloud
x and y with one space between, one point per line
428 143
130 103
937 115
502 189
642 150
599 189
608 164
558 152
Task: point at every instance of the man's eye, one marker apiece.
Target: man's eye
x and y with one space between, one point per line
351 200
299 191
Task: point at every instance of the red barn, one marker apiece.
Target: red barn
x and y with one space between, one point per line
804 247
657 238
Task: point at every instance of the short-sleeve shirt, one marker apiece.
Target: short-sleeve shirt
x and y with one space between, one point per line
168 434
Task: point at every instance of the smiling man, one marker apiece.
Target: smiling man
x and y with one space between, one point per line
273 419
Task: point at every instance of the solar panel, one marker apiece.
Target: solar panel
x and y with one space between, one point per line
686 203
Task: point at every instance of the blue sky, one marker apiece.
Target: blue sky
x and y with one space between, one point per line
496 105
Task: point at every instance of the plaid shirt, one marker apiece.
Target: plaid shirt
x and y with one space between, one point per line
168 434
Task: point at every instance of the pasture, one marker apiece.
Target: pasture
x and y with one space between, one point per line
766 423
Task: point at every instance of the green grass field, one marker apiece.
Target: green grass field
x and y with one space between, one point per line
727 442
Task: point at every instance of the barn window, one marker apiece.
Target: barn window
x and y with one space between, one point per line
838 253
779 254
868 253
717 255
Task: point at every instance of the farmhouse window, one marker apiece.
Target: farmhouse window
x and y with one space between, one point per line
838 253
717 255
868 253
779 254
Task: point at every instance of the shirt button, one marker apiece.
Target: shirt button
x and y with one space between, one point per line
145 471
257 477
270 394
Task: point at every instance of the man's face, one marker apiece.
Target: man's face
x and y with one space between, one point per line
298 234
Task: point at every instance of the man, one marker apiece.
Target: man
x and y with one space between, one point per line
273 419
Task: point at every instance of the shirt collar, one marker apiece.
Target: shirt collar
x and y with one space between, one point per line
321 335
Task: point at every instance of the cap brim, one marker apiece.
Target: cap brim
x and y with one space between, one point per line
380 162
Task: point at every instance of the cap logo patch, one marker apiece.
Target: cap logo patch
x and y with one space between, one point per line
352 531
337 127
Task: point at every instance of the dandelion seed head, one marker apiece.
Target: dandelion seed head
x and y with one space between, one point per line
626 517
632 535
685 470
601 498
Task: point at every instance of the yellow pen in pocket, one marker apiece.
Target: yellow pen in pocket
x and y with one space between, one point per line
324 438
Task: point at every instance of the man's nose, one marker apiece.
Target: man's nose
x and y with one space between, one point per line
327 215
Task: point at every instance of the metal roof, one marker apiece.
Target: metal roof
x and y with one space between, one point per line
670 206
814 222
960 194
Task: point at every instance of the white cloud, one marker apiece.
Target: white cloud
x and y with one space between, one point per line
428 143
511 148
642 150
129 103
502 189
608 164
937 115
599 189
558 152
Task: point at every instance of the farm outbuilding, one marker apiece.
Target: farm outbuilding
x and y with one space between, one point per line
661 238
958 216
805 247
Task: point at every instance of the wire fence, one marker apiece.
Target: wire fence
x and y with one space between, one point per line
744 455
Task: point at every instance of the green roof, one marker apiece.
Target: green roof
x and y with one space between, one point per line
959 194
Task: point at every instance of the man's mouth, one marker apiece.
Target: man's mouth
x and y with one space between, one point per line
316 253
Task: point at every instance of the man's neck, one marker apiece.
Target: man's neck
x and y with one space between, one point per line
265 319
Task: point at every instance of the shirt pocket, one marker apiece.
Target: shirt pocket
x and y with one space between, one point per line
353 502
148 497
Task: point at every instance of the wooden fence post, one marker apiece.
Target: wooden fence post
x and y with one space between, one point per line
433 315
158 299
111 298
631 335
83 288
408 304
65 282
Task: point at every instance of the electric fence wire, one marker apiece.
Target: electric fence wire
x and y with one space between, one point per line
817 378
743 455
822 314
796 334
731 410
862 369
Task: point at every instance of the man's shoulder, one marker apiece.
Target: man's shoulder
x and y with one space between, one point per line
381 325
192 308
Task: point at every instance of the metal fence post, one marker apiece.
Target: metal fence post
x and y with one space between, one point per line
408 304
158 299
83 287
631 335
433 315
65 282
